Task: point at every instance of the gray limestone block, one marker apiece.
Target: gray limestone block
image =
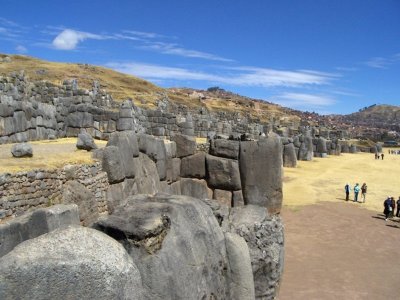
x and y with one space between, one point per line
127 144
85 142
225 148
22 150
170 148
147 178
76 193
125 113
125 124
19 121
322 146
194 166
353 149
223 196
196 188
240 274
79 120
176 243
173 169
223 173
289 156
112 164
36 223
264 236
185 145
6 110
70 263
237 198
261 172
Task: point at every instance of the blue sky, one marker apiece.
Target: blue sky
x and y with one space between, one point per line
321 55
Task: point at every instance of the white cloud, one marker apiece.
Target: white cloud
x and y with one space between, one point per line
69 39
303 101
245 76
148 35
21 49
174 49
378 63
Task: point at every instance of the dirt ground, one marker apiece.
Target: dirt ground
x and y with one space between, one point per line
336 249
340 251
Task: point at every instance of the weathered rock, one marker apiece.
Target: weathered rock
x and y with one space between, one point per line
76 193
224 197
176 243
265 240
113 164
147 177
289 156
22 150
156 150
223 173
85 142
240 275
194 166
36 223
173 169
196 188
237 198
70 263
306 151
261 172
321 146
127 144
225 148
185 145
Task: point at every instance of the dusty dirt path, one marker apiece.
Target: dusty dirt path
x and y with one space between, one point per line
340 251
337 249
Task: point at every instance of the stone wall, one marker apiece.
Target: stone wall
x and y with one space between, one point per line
24 191
41 110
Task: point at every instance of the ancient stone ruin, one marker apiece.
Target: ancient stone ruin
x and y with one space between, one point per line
157 216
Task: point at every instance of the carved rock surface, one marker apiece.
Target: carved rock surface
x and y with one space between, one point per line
70 263
261 172
176 243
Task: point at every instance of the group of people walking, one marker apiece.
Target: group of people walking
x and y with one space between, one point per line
389 206
357 189
378 156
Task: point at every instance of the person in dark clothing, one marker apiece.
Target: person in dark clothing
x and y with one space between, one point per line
382 155
393 205
387 204
347 189
363 192
398 208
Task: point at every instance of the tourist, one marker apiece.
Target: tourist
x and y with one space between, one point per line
376 155
356 191
393 205
398 208
347 189
382 155
387 204
363 191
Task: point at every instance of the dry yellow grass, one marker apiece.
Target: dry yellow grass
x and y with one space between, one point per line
323 179
48 154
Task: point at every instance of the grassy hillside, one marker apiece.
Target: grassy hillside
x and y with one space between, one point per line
382 113
145 94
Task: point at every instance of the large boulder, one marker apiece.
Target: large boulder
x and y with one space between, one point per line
22 150
224 148
261 172
196 188
70 263
155 148
176 243
113 165
33 224
264 236
194 166
128 147
306 150
76 193
223 173
185 145
85 142
240 275
289 156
